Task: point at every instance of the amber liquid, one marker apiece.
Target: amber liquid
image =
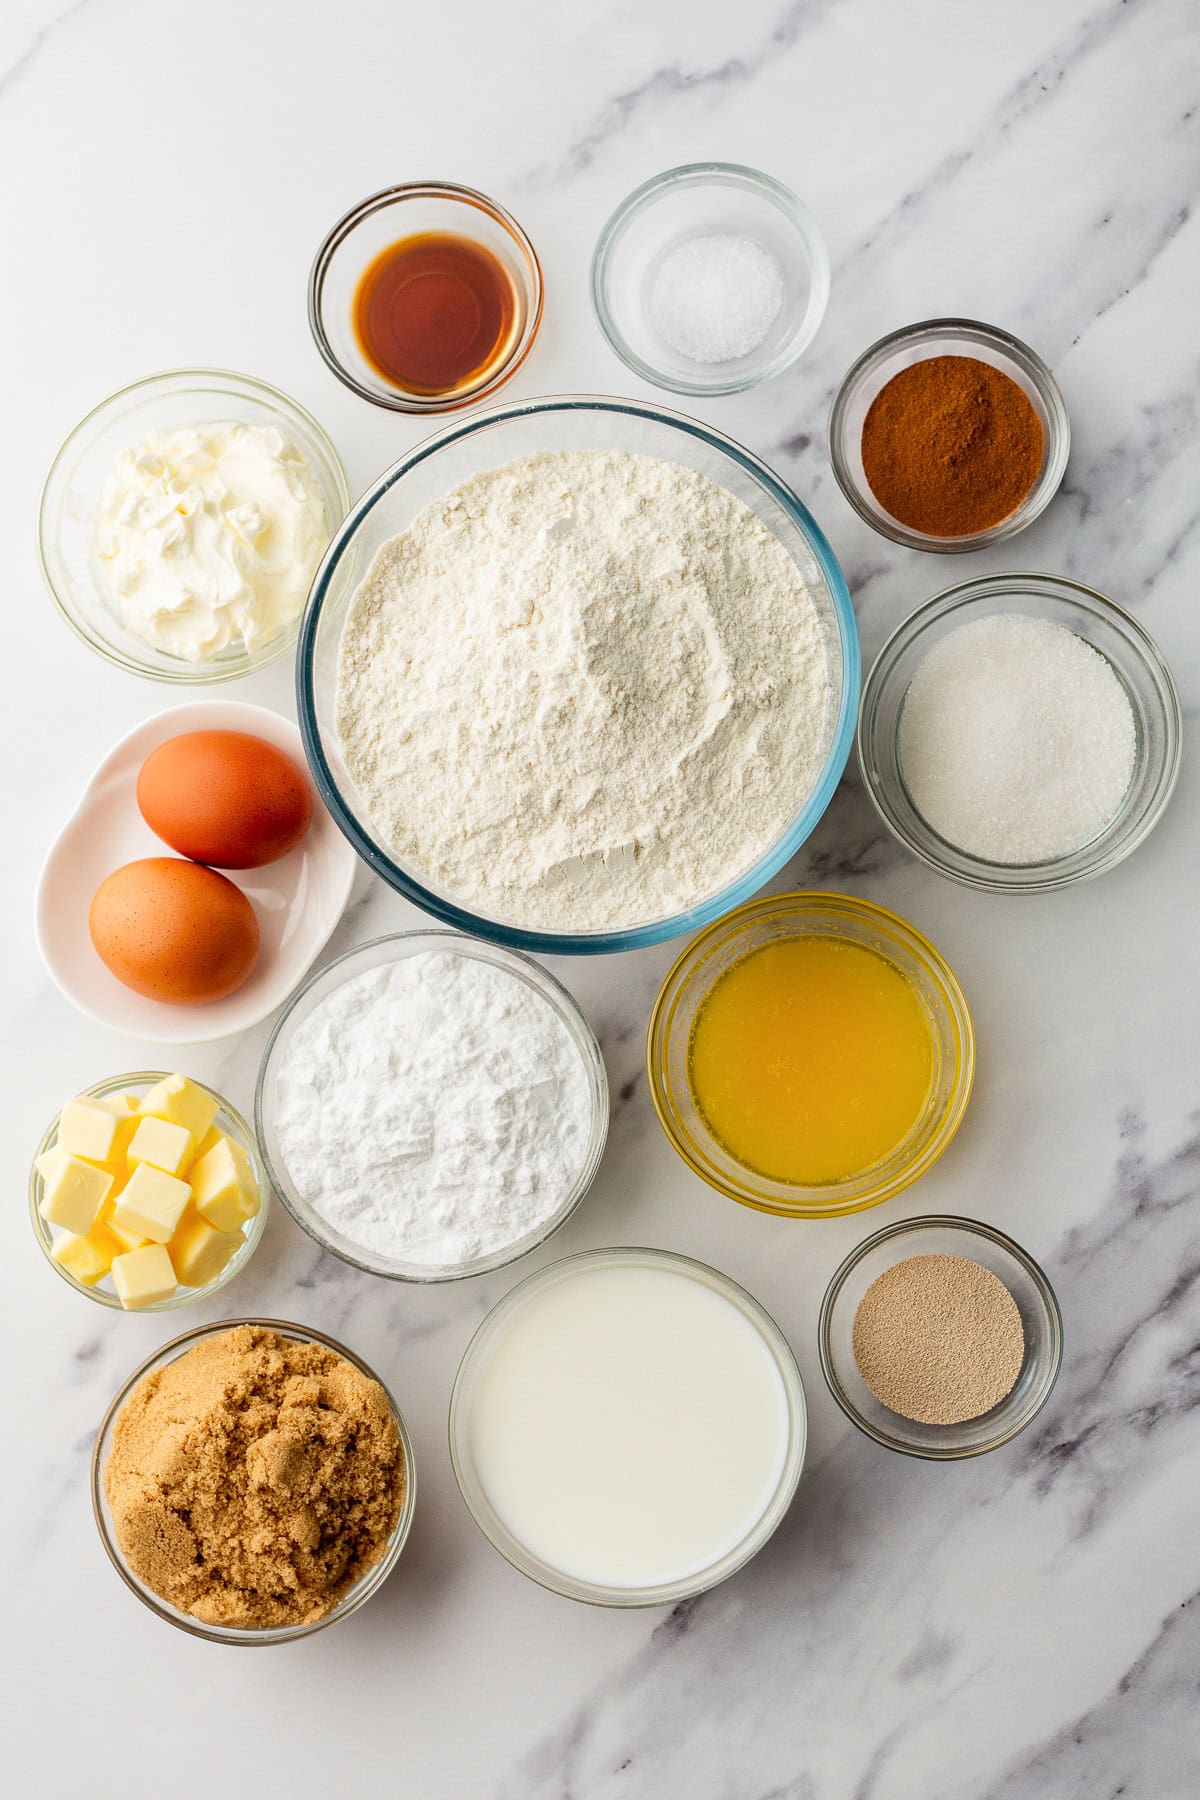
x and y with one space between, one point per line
435 313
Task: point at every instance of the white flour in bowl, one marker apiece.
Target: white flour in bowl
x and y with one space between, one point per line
583 691
433 1110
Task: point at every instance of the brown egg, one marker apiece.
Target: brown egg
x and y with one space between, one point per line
174 931
225 798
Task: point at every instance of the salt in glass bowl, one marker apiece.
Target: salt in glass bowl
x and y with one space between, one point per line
488 440
1041 1321
699 200
359 236
76 481
917 343
520 1555
770 920
228 1120
367 1585
373 955
1134 659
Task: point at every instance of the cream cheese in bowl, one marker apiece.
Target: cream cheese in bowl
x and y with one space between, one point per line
207 534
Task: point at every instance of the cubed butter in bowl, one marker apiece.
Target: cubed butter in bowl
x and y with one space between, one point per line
148 1191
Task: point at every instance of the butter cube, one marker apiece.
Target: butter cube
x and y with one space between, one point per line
151 1203
180 1102
90 1129
198 1251
162 1145
121 1103
223 1186
87 1261
73 1191
211 1137
142 1277
124 1240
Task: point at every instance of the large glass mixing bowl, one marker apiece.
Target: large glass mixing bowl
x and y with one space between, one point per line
488 440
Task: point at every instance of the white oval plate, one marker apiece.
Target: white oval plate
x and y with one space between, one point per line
298 899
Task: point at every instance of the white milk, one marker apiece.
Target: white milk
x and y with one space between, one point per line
628 1425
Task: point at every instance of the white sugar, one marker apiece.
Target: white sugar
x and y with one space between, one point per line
1016 740
714 298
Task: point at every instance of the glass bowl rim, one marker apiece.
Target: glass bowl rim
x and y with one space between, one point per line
784 1357
255 1637
1017 351
552 943
1013 878
380 201
728 174
972 1228
198 674
568 1009
182 1296
950 988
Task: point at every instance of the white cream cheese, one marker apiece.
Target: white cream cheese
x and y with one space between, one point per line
210 534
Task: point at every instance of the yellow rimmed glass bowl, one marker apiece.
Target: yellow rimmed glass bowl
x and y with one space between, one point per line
228 1120
770 920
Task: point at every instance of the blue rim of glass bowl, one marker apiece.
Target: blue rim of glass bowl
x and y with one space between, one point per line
639 936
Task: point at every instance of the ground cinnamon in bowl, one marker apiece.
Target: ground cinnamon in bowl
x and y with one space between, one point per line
255 1479
951 446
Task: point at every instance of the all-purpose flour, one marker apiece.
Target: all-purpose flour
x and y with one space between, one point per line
583 691
434 1110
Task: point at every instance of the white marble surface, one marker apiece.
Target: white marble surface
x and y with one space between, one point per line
1020 1628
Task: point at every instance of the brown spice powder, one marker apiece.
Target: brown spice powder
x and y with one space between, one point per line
951 446
938 1339
255 1479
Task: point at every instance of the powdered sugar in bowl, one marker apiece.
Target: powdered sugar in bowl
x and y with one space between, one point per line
431 1106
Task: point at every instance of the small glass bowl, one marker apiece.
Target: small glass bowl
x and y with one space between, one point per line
383 218
363 1589
1135 660
228 1120
697 200
72 490
935 1235
374 955
917 343
527 1561
815 914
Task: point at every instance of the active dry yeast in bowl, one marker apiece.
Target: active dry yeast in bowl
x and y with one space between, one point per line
628 1427
544 649
431 1106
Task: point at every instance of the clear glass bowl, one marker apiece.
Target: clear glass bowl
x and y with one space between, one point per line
526 1560
489 440
1135 660
87 458
941 1236
228 1120
367 229
769 920
916 343
373 955
697 200
358 1595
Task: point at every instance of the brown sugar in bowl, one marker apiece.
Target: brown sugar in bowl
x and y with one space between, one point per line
112 1528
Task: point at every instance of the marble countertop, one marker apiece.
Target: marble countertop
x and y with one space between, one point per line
1023 1627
